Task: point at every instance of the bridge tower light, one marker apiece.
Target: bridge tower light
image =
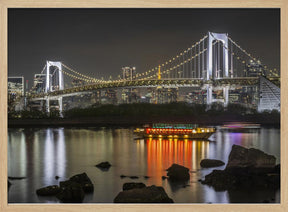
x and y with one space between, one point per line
159 72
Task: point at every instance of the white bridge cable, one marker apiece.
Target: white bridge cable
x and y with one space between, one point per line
170 61
82 76
77 77
176 67
251 57
237 56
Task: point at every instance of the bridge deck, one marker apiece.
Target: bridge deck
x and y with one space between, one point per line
155 83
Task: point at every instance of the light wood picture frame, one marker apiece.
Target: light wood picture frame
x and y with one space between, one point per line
5 4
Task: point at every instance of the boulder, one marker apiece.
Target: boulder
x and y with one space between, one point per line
243 157
72 193
178 173
246 169
242 178
208 163
129 186
164 177
103 165
151 194
82 179
48 191
220 180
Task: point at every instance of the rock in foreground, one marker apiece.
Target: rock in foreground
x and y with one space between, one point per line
178 173
48 191
129 186
246 169
84 181
242 178
71 194
243 157
70 191
151 194
104 165
208 163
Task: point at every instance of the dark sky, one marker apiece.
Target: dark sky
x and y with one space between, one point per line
98 42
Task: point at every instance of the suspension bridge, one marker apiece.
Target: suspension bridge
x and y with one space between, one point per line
215 62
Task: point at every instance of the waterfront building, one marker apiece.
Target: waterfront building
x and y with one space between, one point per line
15 87
39 83
195 97
129 95
111 96
16 92
128 73
166 95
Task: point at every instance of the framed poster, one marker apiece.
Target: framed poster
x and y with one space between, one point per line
139 90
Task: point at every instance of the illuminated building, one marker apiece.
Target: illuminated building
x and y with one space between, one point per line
166 95
15 87
129 95
196 97
128 73
111 96
39 83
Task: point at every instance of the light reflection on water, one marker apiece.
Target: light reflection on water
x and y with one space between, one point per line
41 154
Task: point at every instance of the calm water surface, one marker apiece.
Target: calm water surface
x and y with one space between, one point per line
42 153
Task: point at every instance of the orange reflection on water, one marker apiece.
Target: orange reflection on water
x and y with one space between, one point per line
162 153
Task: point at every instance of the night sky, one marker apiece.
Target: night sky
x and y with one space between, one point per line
99 42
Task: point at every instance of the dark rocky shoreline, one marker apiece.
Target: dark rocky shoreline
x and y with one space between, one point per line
246 169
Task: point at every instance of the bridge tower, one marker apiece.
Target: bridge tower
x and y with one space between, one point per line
59 83
222 37
49 86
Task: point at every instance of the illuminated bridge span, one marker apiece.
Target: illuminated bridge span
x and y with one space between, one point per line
213 62
240 81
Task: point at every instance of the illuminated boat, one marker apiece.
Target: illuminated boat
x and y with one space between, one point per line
182 131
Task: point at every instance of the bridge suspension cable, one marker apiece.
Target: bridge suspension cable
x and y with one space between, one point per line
82 76
251 57
181 64
169 62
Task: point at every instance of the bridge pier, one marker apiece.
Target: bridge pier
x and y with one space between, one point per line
60 102
209 98
48 104
226 95
60 105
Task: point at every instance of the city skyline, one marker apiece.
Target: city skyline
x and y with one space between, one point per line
99 42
